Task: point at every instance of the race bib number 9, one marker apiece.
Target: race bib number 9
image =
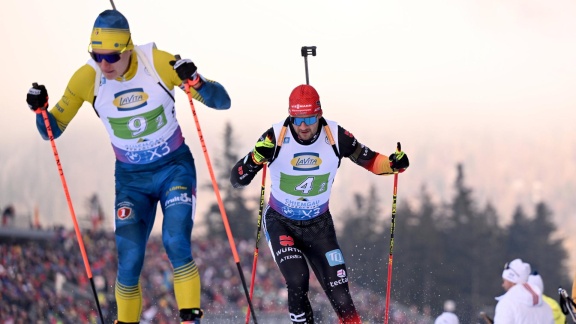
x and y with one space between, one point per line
139 125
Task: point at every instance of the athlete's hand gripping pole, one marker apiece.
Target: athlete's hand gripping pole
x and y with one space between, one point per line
35 92
187 84
390 255
255 262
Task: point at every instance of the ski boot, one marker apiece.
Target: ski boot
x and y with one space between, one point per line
191 315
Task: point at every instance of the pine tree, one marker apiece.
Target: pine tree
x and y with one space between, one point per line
535 241
466 247
241 217
418 253
518 236
361 240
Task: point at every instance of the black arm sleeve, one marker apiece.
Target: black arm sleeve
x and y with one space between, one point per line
351 148
246 168
354 150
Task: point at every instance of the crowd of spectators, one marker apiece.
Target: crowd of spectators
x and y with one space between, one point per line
46 281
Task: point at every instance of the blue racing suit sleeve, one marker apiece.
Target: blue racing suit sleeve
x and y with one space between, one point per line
214 95
56 131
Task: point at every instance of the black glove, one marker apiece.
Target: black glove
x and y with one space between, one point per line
244 171
37 97
185 68
399 161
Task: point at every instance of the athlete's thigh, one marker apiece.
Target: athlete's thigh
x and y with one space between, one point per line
178 194
178 201
323 252
284 246
135 203
135 210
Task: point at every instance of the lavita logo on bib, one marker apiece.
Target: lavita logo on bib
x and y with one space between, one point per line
306 161
130 99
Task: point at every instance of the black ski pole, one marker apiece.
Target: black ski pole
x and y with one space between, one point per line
567 304
307 50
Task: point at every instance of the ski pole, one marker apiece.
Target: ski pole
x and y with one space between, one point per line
70 207
255 262
567 304
486 318
187 85
305 51
390 256
112 3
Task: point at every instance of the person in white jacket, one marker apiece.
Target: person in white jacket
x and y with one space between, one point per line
522 303
448 317
535 279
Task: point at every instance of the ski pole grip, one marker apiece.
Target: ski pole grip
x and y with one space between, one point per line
308 50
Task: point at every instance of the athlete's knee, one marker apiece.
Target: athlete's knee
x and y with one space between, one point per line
178 248
297 282
130 262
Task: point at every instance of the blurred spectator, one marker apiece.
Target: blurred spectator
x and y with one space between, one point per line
448 316
8 216
522 303
535 279
46 282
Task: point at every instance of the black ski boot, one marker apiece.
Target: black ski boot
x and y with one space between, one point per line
191 315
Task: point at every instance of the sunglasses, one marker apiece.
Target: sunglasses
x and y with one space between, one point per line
110 57
306 120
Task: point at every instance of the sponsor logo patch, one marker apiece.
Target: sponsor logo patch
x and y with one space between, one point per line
335 257
183 198
338 282
298 318
130 99
124 210
290 257
307 161
287 250
286 240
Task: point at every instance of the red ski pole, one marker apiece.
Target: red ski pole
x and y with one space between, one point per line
187 86
391 255
255 262
69 200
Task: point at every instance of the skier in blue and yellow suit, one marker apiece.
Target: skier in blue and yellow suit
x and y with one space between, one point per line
132 91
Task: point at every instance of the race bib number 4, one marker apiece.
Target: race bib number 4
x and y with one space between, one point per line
304 185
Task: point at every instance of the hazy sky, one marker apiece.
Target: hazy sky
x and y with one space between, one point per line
487 83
